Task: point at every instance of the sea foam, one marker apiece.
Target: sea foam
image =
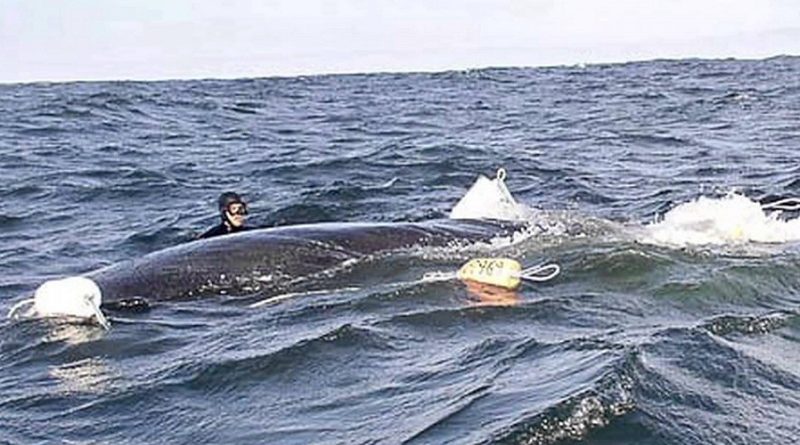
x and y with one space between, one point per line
717 221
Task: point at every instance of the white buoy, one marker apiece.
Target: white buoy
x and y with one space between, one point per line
505 272
500 272
489 199
70 297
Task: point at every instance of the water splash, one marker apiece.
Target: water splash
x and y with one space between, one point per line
733 219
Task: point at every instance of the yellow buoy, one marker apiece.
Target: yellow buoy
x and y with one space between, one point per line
501 272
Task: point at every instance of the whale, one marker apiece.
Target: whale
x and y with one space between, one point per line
272 260
263 262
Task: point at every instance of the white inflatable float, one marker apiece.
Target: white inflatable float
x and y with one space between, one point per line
77 297
489 199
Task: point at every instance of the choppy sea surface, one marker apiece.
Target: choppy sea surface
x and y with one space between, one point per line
675 320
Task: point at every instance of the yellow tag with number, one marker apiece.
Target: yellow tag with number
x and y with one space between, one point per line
501 272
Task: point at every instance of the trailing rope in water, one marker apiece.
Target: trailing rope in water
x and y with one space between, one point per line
12 313
784 205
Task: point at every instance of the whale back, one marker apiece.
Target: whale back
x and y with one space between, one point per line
274 258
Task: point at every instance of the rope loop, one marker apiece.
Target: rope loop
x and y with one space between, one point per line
540 273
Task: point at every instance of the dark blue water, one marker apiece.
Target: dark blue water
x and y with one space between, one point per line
633 343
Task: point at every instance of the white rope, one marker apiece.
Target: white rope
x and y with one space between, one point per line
101 318
281 297
540 273
16 307
786 205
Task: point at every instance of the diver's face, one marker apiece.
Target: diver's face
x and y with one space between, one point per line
237 214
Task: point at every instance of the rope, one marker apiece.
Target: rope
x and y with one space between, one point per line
785 205
16 307
540 273
98 313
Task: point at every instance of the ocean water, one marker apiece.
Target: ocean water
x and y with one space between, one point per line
675 320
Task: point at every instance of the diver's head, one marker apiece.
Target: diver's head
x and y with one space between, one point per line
232 209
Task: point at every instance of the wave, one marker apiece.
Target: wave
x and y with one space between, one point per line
693 382
10 222
749 325
591 389
733 219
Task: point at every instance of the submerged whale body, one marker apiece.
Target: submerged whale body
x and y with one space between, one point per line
272 259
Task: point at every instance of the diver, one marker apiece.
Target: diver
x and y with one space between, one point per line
233 211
